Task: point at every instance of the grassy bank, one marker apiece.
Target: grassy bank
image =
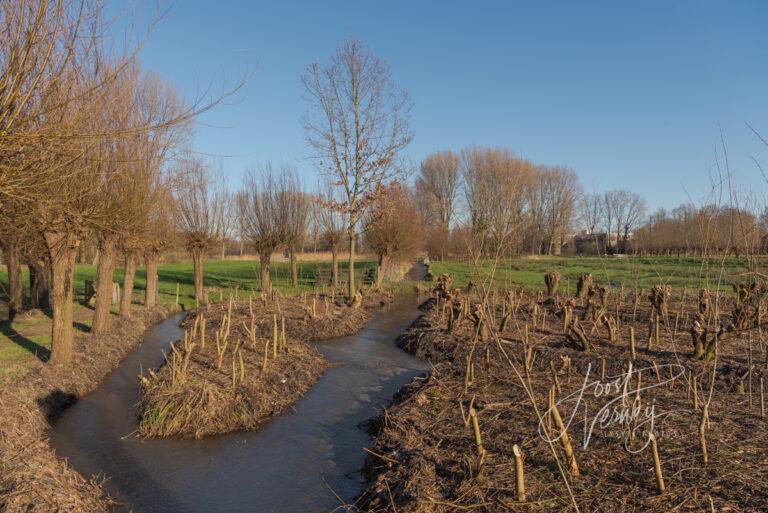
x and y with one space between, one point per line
641 272
27 339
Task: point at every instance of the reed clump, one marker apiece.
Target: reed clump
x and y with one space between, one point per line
241 362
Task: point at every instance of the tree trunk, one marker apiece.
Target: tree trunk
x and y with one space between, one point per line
223 250
150 293
382 267
128 279
351 284
63 248
294 269
335 266
15 283
197 259
39 283
264 258
104 274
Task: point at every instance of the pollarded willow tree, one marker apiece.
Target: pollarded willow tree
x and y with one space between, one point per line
68 209
261 213
117 185
295 204
148 200
57 142
12 244
202 211
47 84
160 235
131 175
357 124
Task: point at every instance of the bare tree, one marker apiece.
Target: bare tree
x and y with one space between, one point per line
38 262
12 242
496 186
116 187
57 142
202 206
591 213
161 234
357 124
438 185
553 195
609 213
294 221
626 210
633 215
262 209
154 103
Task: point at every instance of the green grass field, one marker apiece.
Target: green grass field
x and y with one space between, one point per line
641 272
28 335
20 340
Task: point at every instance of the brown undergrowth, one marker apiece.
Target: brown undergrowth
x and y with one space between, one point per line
244 361
447 442
32 478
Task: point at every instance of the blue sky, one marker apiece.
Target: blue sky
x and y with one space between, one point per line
629 94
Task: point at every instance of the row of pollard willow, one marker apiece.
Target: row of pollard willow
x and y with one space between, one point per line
746 315
319 284
319 280
178 361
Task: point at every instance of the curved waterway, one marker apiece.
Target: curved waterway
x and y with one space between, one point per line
298 461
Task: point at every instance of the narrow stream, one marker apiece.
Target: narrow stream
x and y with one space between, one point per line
295 463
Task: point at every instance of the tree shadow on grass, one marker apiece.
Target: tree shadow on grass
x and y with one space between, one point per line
41 352
79 326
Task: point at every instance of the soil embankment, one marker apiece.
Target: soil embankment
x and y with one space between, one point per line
447 442
32 477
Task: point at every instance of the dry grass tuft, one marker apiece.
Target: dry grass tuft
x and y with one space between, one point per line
243 362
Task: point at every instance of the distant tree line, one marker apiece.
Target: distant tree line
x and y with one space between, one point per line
703 231
493 201
484 201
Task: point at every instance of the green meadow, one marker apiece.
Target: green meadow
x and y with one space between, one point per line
26 340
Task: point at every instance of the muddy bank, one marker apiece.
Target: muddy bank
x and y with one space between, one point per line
243 362
428 457
32 478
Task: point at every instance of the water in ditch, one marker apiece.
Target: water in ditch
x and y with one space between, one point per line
307 459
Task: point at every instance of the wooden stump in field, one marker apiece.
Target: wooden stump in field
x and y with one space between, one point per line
583 284
552 279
